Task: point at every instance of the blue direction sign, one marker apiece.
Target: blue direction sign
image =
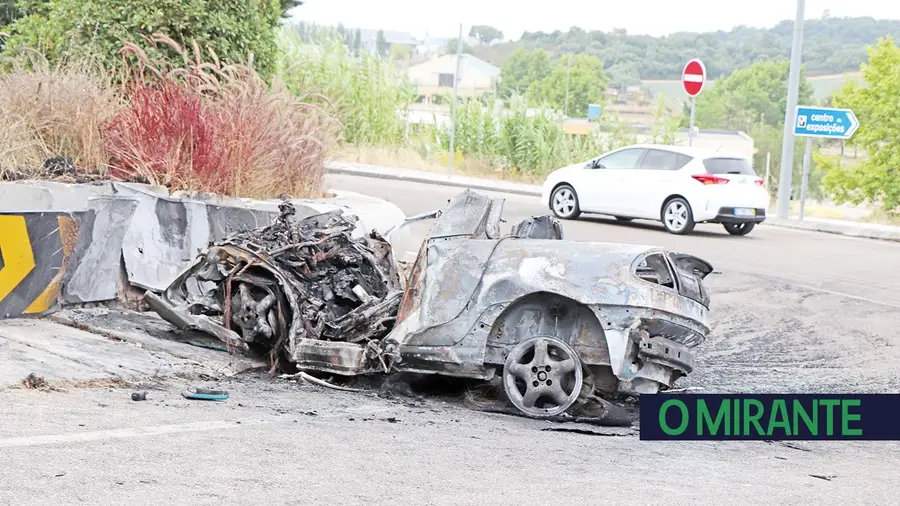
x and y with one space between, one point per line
825 122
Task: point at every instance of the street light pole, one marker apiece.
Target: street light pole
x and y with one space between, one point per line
787 144
459 44
568 70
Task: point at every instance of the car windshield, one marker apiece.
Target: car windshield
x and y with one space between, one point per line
728 166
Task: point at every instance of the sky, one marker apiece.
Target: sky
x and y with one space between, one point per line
650 17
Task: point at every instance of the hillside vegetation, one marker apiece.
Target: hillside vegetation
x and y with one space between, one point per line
831 46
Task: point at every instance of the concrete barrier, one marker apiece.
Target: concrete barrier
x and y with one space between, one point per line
95 239
95 265
34 250
36 195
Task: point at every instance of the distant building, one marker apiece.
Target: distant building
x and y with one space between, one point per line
725 141
369 40
435 77
431 45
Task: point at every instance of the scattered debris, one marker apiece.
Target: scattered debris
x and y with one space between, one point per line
139 396
826 477
33 381
60 474
586 432
682 390
316 381
789 445
202 394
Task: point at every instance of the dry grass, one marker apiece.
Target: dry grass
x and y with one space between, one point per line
54 111
882 217
218 128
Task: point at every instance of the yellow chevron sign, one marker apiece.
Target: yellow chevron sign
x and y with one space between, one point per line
34 249
18 260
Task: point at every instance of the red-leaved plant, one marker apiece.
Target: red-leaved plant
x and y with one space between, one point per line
216 128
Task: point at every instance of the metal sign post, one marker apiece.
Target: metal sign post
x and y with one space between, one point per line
459 44
820 122
787 142
693 77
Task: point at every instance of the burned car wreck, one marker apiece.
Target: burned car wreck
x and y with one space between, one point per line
551 320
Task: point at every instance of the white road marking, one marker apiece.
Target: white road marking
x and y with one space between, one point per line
100 435
693 78
842 294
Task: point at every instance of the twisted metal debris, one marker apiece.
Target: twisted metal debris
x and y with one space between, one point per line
293 281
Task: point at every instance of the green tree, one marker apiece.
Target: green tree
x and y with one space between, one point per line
451 47
357 41
586 85
9 12
756 94
234 29
877 179
400 52
485 34
831 46
381 45
521 70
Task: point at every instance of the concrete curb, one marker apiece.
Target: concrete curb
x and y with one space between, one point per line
850 229
426 178
839 227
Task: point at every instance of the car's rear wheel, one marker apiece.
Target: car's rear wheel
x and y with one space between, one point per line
739 228
564 202
542 377
677 217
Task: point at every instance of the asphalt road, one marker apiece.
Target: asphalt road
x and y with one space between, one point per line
791 312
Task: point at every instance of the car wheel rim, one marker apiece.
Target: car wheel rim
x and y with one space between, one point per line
676 216
542 377
564 202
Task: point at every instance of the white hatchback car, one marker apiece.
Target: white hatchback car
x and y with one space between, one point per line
678 186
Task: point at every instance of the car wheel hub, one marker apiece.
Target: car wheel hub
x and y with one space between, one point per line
676 216
564 202
542 376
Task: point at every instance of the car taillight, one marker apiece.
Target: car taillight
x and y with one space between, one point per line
760 182
710 179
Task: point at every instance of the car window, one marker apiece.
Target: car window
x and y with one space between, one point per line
625 159
658 159
728 166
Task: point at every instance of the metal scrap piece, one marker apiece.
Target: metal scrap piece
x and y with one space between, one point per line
290 284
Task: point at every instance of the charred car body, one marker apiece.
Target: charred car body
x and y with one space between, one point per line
555 320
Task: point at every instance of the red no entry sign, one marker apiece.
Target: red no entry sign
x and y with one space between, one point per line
693 77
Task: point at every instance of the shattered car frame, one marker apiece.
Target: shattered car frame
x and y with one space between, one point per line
554 319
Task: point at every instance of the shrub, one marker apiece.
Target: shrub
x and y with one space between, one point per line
369 96
50 111
220 128
73 29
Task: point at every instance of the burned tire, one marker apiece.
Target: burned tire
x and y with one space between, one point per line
564 203
739 228
542 377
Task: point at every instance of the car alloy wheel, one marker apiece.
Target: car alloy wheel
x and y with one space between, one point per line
677 218
564 203
739 228
542 376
